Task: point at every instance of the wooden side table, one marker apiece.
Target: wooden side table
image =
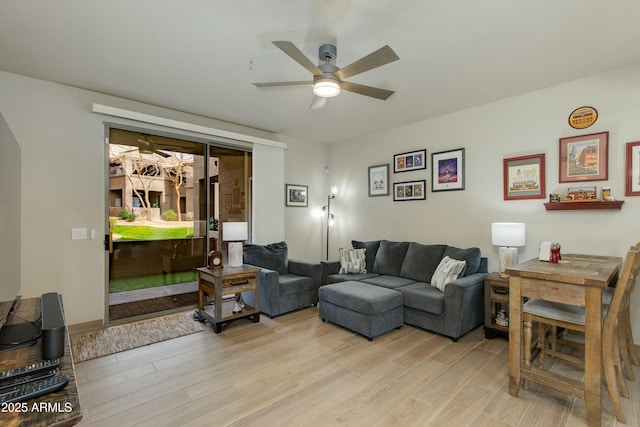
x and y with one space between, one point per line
221 284
496 298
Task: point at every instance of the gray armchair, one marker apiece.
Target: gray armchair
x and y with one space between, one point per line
285 285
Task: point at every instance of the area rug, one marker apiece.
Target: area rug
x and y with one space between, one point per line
119 338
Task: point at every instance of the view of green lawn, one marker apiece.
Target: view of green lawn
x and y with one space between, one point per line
150 281
146 232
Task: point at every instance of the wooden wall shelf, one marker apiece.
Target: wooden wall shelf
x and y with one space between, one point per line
575 206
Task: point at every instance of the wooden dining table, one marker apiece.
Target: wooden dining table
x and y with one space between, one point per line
578 280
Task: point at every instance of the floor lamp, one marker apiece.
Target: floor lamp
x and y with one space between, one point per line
330 216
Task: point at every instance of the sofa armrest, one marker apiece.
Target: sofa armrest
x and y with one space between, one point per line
269 286
464 304
308 269
329 267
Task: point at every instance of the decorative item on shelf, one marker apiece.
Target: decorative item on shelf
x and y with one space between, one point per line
582 194
507 235
606 194
235 233
554 198
215 260
502 319
330 217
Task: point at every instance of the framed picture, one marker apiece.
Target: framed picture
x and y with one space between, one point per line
410 190
584 158
297 195
524 177
379 180
447 170
410 161
633 169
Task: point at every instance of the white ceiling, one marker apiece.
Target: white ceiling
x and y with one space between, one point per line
192 55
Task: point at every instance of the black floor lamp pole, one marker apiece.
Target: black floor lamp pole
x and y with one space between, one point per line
329 197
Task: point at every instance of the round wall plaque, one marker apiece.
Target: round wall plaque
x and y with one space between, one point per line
583 117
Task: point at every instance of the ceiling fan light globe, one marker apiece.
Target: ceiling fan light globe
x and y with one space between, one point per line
326 88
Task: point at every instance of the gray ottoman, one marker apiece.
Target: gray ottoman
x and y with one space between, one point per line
366 309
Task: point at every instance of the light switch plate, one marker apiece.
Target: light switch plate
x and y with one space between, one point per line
78 233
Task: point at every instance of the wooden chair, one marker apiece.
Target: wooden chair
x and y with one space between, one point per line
551 315
625 333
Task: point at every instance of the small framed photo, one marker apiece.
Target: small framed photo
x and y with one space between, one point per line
410 190
524 177
584 158
633 169
297 195
379 180
447 170
411 161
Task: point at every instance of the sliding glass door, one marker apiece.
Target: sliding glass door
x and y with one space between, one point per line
167 199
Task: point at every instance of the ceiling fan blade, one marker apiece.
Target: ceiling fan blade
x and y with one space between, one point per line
373 92
317 103
297 55
283 84
376 59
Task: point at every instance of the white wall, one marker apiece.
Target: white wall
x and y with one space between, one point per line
304 226
526 124
63 186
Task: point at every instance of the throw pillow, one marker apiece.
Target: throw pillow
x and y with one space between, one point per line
449 269
352 261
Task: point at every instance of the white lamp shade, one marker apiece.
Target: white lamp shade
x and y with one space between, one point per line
508 234
235 231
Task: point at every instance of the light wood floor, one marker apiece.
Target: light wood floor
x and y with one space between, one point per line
297 371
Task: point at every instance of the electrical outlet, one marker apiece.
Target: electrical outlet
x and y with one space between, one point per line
78 233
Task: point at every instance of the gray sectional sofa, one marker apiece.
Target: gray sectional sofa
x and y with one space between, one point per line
407 267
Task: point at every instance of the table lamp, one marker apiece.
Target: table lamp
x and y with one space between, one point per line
235 233
507 235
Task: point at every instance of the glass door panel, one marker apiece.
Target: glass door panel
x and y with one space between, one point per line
157 227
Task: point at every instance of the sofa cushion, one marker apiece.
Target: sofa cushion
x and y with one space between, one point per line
390 257
352 261
335 278
449 269
273 256
389 282
292 284
422 296
421 261
470 255
371 251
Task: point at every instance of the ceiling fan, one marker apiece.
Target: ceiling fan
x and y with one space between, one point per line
328 79
147 146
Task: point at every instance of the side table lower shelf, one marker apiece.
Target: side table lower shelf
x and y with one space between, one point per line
226 286
496 298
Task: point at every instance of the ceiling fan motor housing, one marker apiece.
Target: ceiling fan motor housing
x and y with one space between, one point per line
327 53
